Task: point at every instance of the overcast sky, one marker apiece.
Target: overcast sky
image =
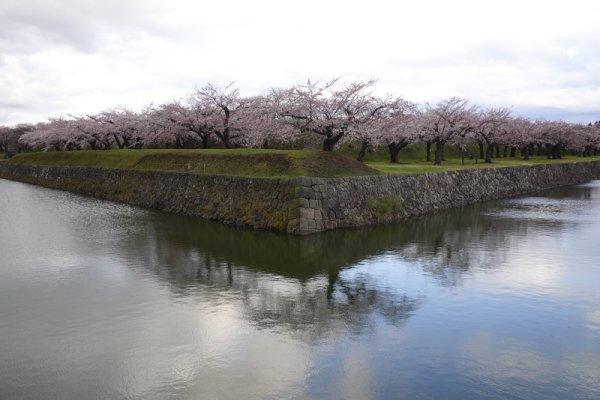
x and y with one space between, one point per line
60 57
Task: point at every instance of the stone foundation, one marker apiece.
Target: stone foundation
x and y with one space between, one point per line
303 205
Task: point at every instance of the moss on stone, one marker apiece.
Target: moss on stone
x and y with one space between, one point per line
384 208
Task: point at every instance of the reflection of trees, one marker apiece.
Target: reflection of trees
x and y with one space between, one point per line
283 282
580 192
450 244
351 303
296 282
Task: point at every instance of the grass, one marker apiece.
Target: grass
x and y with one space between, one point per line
238 162
454 163
270 163
412 160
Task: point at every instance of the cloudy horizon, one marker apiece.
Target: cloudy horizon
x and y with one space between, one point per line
61 57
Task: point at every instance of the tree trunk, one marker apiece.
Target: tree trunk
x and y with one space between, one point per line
224 136
497 151
558 150
428 150
525 152
481 154
204 141
505 153
439 152
120 144
394 151
489 153
330 141
363 151
513 151
332 277
328 145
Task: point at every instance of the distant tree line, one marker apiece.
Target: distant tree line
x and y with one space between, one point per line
219 116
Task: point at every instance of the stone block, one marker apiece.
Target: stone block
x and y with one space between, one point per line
315 204
294 213
307 213
303 203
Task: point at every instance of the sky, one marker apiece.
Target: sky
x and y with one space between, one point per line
71 57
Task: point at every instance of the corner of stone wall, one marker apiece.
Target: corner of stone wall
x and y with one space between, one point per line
306 213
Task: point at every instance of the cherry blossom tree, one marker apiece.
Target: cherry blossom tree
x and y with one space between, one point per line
9 138
442 122
262 124
311 108
367 116
399 129
521 135
584 140
123 125
287 117
89 134
57 134
489 127
554 135
195 116
224 106
330 113
5 134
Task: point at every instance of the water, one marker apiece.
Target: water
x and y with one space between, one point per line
107 301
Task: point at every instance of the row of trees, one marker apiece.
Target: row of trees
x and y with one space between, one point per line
221 116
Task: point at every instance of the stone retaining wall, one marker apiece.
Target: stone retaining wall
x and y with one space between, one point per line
258 203
346 202
303 205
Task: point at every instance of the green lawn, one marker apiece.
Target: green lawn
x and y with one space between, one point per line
452 164
268 163
238 162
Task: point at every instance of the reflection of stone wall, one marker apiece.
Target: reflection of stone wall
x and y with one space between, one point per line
303 205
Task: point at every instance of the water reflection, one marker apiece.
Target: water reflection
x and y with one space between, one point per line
497 300
446 244
284 282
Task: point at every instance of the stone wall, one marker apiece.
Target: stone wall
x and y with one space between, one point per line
303 205
346 202
258 203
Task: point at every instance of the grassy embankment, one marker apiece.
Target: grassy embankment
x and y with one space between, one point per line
269 163
422 167
238 162
412 161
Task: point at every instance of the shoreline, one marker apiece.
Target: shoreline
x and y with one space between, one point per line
303 205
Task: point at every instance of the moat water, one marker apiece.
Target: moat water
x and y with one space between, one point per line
107 301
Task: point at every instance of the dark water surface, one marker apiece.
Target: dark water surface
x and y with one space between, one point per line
106 301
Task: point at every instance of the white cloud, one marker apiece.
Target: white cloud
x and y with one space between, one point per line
75 56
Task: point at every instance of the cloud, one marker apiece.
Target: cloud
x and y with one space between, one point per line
61 57
81 24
